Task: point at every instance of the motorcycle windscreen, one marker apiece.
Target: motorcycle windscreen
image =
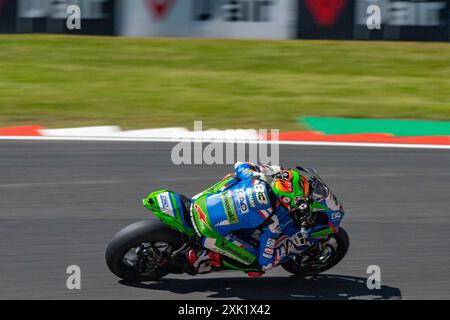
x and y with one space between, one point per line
334 211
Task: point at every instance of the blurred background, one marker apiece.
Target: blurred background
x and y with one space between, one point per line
306 58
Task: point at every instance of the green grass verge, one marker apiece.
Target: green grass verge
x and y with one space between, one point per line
61 81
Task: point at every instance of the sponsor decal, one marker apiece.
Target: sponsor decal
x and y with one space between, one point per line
325 12
165 201
251 200
160 8
223 246
222 223
242 201
336 216
228 206
201 215
295 244
260 192
271 243
165 204
266 255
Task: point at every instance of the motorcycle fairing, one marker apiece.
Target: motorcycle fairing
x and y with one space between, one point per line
166 205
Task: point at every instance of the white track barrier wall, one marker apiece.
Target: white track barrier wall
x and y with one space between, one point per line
159 133
243 19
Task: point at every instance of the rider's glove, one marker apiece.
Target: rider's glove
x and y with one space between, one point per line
269 170
261 176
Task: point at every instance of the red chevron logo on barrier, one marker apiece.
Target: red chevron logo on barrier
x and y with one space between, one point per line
325 12
160 8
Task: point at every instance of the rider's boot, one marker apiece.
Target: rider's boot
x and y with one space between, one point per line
203 261
215 260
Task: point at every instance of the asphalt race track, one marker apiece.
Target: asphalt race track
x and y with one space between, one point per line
61 202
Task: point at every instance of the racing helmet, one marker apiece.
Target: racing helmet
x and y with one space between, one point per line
291 190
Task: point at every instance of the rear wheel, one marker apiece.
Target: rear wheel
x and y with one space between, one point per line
312 263
141 251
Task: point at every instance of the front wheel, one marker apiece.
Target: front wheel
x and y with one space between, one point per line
334 250
141 251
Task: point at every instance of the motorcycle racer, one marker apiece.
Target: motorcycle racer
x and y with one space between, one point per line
268 198
254 219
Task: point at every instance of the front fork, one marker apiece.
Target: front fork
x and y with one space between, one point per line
317 248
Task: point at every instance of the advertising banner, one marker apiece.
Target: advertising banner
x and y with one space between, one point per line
412 20
97 16
424 20
416 20
253 19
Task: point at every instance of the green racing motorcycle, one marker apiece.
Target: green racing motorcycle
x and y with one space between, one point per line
151 249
